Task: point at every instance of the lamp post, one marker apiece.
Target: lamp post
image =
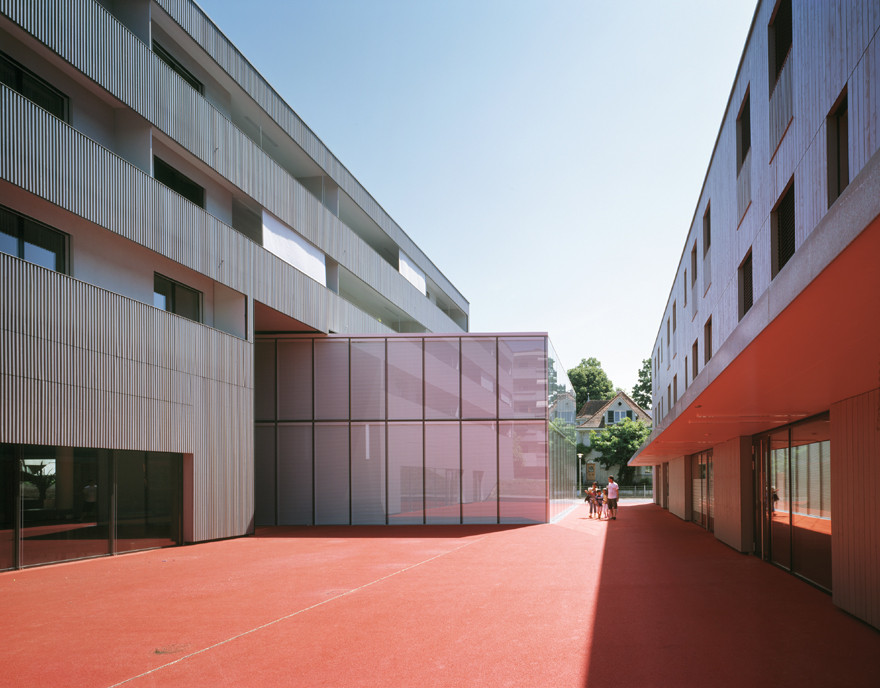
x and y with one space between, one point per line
580 475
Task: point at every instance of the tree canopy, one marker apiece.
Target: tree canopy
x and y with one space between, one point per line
642 389
616 444
590 381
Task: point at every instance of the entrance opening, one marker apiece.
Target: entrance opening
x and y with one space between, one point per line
793 499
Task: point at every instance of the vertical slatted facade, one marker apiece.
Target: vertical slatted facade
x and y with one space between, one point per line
855 474
83 367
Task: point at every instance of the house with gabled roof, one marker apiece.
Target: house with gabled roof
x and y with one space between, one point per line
597 414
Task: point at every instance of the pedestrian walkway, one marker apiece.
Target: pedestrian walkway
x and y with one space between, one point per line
645 600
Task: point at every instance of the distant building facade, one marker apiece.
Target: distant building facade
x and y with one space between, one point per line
595 415
765 367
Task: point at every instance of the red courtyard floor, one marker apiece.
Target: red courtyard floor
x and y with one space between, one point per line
646 600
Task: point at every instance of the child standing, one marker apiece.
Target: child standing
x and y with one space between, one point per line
604 513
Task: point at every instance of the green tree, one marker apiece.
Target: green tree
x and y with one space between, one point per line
642 389
590 381
616 444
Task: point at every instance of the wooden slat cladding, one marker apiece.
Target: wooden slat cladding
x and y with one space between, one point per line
98 45
855 536
84 367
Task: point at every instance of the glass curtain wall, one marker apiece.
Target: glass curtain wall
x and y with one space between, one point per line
63 503
410 430
795 499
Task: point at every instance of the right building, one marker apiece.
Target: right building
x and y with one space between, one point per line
766 367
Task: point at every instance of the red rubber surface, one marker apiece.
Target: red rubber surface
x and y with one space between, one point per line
645 600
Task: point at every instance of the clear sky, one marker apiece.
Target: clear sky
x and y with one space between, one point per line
547 155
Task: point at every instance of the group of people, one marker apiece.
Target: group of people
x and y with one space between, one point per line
603 502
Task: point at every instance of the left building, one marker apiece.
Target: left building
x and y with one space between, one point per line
161 208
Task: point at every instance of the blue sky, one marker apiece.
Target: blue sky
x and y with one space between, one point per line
546 155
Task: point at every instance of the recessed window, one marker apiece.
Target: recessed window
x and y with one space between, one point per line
707 229
746 294
782 231
707 340
179 182
177 298
32 87
837 129
175 64
684 289
694 265
674 316
695 361
743 133
675 388
779 34
32 241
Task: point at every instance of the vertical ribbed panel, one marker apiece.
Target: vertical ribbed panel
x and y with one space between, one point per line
781 107
83 367
104 50
855 536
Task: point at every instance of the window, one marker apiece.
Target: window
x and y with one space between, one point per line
668 396
181 71
694 265
779 40
746 295
707 340
743 133
629 414
32 87
176 298
837 131
674 318
32 241
707 229
176 181
782 231
675 388
695 361
610 419
684 289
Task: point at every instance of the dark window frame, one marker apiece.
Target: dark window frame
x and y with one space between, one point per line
780 38
745 275
177 67
743 131
783 230
21 75
172 303
178 182
47 234
837 139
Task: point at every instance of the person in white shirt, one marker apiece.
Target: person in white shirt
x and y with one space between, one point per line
612 497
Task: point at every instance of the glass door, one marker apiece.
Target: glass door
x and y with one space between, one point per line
703 490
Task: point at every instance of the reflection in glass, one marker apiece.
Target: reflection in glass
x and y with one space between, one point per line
367 473
811 501
331 474
295 474
523 472
442 473
65 505
442 378
331 379
294 379
368 379
148 489
405 473
404 379
9 473
478 378
479 479
778 502
522 377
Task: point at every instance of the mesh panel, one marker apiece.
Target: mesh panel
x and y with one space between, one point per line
785 229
